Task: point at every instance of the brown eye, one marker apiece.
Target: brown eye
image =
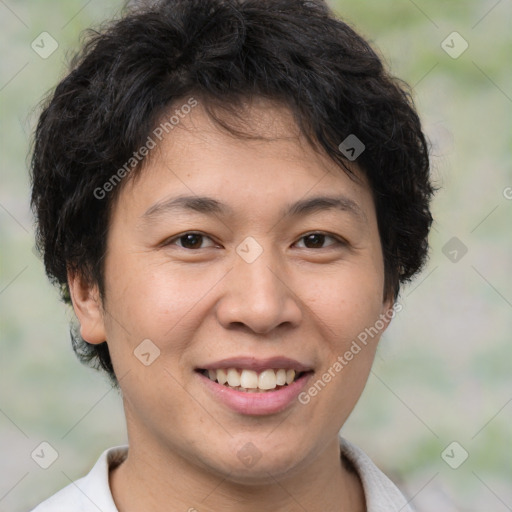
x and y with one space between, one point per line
189 240
317 240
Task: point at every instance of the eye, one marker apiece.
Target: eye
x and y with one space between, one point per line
193 240
316 240
190 240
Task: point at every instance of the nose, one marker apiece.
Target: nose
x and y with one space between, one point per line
258 295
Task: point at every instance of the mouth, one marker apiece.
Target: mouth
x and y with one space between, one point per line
251 381
255 387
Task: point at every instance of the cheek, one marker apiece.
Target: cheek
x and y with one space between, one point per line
352 306
348 301
159 301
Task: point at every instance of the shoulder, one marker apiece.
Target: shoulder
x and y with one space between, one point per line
381 493
90 493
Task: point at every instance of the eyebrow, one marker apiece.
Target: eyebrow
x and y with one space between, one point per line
213 207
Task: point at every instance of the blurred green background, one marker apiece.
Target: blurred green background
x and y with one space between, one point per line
443 370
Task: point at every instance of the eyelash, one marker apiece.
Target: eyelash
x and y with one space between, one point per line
338 240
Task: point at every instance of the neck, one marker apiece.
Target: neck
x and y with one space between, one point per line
145 481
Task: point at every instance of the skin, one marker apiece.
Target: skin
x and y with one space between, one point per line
201 302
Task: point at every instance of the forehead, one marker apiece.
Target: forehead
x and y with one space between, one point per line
275 163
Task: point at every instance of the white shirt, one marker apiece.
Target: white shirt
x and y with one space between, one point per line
92 492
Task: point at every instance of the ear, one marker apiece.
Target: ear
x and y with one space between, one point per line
88 308
389 310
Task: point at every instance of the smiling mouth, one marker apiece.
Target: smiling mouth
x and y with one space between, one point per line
250 381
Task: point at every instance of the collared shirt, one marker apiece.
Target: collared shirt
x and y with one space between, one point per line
92 492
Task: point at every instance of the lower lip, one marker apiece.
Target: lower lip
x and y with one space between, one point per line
259 403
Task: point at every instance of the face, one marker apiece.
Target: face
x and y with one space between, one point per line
268 281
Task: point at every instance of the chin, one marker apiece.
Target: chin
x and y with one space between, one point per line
249 465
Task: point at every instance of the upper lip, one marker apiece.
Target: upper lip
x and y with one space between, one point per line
253 363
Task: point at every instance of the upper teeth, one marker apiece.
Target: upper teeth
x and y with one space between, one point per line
249 379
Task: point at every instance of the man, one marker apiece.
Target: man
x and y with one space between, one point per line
229 194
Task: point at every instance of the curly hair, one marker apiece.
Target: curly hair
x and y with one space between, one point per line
296 52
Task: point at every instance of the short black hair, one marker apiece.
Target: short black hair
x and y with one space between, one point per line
298 53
